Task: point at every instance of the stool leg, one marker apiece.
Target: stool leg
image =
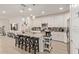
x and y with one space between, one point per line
38 45
25 45
38 48
34 49
29 48
18 44
22 45
15 42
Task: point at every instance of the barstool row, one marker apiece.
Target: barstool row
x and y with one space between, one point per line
30 44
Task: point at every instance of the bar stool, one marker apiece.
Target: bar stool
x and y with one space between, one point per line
20 41
31 44
26 42
16 40
36 45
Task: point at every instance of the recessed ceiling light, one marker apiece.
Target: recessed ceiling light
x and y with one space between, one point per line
3 11
33 17
28 18
30 9
13 24
23 19
60 8
43 12
21 11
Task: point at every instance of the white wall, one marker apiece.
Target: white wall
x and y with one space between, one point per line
16 21
74 28
4 22
19 21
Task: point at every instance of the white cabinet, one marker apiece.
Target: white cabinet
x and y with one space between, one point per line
59 21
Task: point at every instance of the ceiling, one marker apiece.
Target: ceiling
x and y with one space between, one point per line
13 10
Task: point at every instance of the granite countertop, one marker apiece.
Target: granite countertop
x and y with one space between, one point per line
32 34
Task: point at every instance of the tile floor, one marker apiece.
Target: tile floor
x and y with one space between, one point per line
7 46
